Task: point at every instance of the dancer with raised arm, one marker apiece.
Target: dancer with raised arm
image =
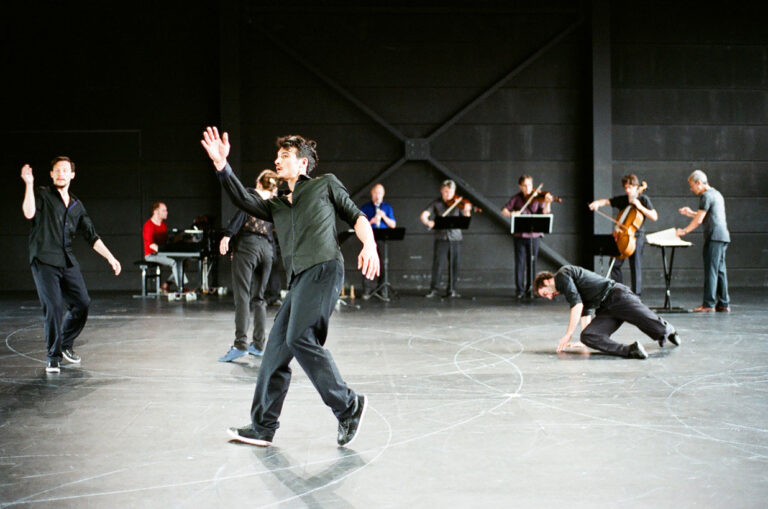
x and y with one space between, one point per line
305 221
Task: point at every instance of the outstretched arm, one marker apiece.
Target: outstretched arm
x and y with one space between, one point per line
368 259
697 219
603 202
101 248
28 205
217 148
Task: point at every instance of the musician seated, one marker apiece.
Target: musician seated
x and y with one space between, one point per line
526 243
380 214
643 204
155 234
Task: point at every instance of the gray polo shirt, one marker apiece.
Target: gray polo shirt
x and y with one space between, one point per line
715 225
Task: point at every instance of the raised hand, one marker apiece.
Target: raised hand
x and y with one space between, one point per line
26 174
217 147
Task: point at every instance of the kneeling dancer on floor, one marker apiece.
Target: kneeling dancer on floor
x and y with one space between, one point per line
602 306
305 222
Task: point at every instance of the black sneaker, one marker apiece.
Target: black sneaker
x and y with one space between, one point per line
248 435
53 367
70 356
636 351
674 338
349 427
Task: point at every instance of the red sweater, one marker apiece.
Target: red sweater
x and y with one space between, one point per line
154 234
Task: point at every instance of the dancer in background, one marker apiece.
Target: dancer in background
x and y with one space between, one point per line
602 305
251 267
57 215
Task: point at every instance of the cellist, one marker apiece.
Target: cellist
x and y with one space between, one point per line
642 203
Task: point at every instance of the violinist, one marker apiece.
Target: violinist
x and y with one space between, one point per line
525 243
643 204
447 245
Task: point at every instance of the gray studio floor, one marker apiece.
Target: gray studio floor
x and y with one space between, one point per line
469 407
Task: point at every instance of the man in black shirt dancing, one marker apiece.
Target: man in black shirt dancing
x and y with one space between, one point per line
57 215
305 222
602 305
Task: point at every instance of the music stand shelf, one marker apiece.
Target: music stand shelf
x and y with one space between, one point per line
382 236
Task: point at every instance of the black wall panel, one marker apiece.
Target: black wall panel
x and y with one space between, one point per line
126 94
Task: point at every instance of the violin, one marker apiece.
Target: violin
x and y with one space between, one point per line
461 202
627 221
540 196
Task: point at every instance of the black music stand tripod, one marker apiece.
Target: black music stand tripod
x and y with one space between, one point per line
382 235
533 223
451 223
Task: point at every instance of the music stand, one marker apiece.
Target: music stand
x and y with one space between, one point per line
451 223
383 235
605 245
667 239
531 223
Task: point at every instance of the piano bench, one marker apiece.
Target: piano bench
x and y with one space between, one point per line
149 271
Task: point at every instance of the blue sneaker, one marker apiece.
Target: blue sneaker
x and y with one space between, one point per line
255 351
231 355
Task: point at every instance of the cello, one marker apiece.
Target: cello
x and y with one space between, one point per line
628 221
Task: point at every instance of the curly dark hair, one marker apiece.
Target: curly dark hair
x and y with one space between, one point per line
304 148
539 280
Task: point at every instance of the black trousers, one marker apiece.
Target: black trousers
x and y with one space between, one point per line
445 251
635 266
523 248
621 305
251 266
58 288
299 331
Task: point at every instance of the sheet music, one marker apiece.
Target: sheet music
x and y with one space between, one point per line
666 238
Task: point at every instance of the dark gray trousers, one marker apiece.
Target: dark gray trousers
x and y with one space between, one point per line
523 249
299 331
715 275
621 305
251 266
56 288
445 251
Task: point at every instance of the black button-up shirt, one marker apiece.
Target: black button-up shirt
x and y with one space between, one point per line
578 284
54 227
305 228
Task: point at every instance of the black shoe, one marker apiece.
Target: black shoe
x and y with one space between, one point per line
53 367
453 294
70 356
636 351
674 338
431 294
248 435
349 427
520 296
